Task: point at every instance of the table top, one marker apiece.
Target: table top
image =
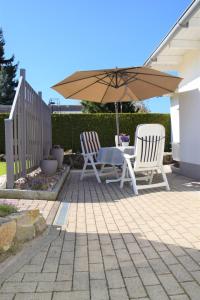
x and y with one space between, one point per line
114 155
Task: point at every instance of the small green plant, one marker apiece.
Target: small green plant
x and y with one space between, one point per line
7 209
39 184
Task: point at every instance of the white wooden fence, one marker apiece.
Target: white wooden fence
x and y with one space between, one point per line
27 132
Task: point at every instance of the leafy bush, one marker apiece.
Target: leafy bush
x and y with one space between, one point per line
66 128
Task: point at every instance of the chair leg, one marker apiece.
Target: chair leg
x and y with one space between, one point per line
102 167
124 171
84 167
95 170
132 175
115 171
151 177
165 178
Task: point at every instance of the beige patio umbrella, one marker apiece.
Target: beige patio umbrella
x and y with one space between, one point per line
117 85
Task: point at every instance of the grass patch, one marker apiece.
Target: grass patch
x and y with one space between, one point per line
2 168
7 209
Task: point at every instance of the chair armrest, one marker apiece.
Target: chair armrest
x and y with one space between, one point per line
128 156
89 154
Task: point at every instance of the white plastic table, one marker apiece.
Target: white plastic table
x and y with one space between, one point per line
114 156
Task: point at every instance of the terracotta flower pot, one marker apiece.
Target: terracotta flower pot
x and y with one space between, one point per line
48 166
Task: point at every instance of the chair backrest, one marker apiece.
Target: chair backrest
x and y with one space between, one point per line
89 142
149 146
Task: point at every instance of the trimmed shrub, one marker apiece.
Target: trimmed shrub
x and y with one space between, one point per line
66 128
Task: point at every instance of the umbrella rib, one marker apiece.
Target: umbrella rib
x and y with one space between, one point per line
84 88
151 74
58 84
159 86
107 89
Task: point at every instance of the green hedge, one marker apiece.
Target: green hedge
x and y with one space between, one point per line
2 132
66 128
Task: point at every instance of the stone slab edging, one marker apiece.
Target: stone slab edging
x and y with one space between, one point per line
31 248
39 195
13 264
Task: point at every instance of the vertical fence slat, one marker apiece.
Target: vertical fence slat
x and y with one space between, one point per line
27 131
9 153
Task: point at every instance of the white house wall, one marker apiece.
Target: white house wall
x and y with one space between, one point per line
174 113
188 124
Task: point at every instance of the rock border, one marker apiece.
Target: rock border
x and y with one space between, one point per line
20 227
33 195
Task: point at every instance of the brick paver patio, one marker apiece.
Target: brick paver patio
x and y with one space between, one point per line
113 245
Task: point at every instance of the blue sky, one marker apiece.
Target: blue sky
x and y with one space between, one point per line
53 38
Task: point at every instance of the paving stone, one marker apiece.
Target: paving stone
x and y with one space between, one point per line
17 277
149 252
156 292
170 284
39 258
51 265
54 251
189 263
18 287
81 281
179 297
67 258
68 246
65 272
128 269
110 263
119 244
118 294
135 287
7 296
139 260
107 250
180 273
122 255
148 276
81 264
33 296
95 257
99 290
75 295
158 266
114 278
192 289
39 277
61 286
133 248
97 271
168 257
31 269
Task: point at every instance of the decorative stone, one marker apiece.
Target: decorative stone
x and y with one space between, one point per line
33 214
7 234
25 232
40 224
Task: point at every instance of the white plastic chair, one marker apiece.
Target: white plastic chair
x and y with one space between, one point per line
148 157
90 146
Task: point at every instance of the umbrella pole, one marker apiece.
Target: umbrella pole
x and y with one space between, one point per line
117 120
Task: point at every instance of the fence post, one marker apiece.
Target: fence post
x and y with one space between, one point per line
23 123
9 152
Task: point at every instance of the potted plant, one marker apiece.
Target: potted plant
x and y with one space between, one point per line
49 165
58 153
125 139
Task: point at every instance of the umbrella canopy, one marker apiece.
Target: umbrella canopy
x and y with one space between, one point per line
117 85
